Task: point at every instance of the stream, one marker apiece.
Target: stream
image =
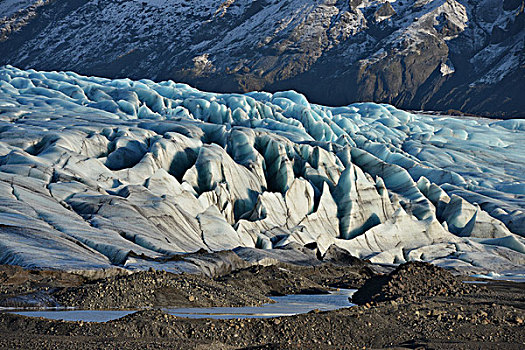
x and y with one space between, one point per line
286 305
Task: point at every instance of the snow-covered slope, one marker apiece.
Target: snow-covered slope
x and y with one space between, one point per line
97 173
15 14
437 54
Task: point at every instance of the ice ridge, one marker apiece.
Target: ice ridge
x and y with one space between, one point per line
97 173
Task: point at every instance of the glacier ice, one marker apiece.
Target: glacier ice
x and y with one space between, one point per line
97 173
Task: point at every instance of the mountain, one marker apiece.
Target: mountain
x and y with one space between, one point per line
98 173
465 55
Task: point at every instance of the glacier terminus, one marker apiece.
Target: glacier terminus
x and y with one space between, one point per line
98 173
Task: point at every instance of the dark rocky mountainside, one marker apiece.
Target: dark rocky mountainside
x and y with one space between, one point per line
464 55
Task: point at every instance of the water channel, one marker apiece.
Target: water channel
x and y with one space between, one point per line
287 305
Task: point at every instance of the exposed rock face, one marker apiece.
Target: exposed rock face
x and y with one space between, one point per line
98 173
14 15
435 55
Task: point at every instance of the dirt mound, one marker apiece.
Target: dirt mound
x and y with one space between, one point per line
272 280
156 289
339 256
285 278
247 286
22 288
412 281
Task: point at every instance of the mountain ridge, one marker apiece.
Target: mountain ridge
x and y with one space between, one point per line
427 54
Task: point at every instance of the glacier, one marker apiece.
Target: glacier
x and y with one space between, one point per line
98 173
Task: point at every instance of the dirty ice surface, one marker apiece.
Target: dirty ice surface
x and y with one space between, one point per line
98 173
